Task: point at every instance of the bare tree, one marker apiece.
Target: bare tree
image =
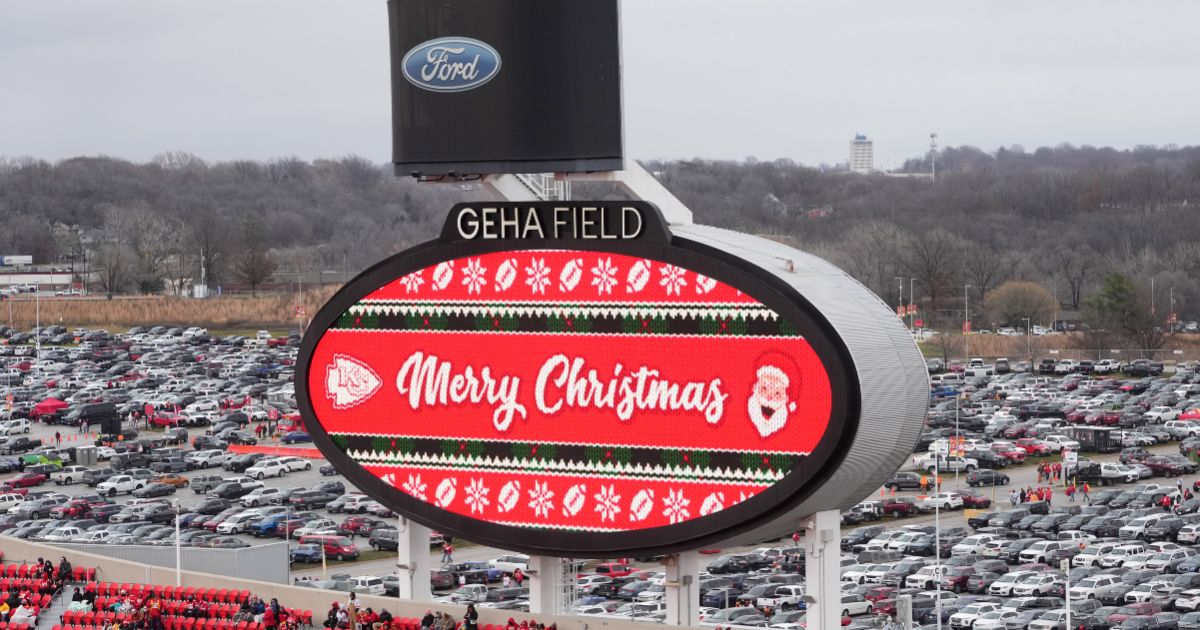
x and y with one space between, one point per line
1074 266
253 264
984 269
934 257
116 265
871 252
946 345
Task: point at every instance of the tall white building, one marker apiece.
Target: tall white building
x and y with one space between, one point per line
862 154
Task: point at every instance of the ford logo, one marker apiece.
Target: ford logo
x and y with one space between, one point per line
451 64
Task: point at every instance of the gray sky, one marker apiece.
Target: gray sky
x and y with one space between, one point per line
769 78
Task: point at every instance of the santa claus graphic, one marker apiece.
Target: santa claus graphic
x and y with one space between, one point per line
775 392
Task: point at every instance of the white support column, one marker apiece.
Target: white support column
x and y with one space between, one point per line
635 181
545 584
413 561
822 551
682 596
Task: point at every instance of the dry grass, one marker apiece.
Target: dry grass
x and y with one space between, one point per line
264 311
1068 346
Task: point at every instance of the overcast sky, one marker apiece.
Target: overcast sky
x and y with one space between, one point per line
765 78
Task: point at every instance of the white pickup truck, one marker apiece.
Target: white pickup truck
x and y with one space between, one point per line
1106 366
260 338
930 461
119 484
68 475
789 594
15 426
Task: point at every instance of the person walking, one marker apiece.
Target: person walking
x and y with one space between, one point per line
518 577
447 552
1013 497
58 442
924 484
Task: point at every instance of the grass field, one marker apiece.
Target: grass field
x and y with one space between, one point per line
222 315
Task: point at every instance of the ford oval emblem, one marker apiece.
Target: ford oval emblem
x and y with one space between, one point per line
451 64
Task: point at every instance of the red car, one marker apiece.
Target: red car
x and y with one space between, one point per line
164 419
1190 414
881 592
1033 446
1014 454
885 607
955 578
286 529
25 480
76 508
1133 609
1077 416
975 501
614 569
899 506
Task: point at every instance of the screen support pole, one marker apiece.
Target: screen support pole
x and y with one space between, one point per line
413 561
634 181
822 566
545 585
682 595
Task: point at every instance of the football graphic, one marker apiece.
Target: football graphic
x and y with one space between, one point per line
639 275
446 491
442 275
570 275
715 502
509 495
641 505
506 274
573 501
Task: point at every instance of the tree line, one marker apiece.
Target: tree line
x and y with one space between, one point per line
1062 218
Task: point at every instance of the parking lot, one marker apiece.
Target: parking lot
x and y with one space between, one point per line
999 562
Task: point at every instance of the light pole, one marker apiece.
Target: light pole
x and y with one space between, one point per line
966 327
937 542
1027 354
1171 315
1065 565
912 303
933 177
178 547
900 303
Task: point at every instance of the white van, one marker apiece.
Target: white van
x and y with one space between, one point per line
10 501
367 584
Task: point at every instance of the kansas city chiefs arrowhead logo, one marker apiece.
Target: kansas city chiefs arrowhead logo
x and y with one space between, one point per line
349 382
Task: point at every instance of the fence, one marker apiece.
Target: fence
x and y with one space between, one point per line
264 563
1169 357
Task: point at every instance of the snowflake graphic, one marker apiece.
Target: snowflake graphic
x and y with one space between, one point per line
673 278
412 282
676 506
415 487
537 275
607 503
389 479
605 276
541 499
477 496
474 276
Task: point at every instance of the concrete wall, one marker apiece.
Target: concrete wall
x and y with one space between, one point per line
265 563
115 570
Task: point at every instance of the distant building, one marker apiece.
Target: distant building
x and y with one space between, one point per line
862 155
